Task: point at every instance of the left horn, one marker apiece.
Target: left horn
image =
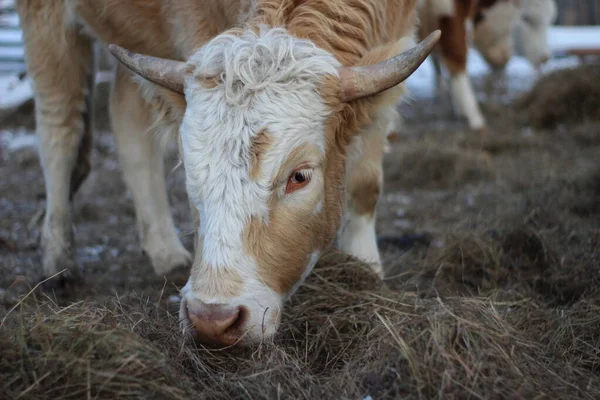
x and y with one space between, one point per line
167 73
359 82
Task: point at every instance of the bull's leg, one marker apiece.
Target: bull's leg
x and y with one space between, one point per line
454 47
364 181
57 60
141 158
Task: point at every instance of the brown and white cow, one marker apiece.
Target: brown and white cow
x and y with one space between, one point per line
280 109
496 28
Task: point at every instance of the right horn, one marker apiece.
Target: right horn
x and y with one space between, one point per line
359 82
167 73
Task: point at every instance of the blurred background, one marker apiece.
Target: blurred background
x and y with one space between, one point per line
578 12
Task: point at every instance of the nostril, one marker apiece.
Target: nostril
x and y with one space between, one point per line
216 323
236 326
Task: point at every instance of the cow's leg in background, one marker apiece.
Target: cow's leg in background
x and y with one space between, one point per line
364 182
58 58
439 82
454 46
141 157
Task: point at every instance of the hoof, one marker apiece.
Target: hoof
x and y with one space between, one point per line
62 285
481 131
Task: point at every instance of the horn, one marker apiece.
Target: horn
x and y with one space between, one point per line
167 73
359 82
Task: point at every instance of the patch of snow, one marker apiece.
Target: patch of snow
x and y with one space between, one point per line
104 76
10 19
9 67
7 3
174 299
12 52
14 91
11 36
21 139
561 38
90 253
403 224
438 244
399 198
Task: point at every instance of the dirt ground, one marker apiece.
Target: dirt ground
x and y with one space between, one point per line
491 246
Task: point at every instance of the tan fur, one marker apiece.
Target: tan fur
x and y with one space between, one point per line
260 144
282 245
222 282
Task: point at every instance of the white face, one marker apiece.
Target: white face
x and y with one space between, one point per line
254 148
492 36
531 31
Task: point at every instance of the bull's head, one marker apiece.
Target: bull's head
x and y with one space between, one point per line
261 140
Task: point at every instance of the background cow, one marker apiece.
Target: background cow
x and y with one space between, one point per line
492 26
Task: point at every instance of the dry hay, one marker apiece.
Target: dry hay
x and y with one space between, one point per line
565 96
432 165
343 336
587 133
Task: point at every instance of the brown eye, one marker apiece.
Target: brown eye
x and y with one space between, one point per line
297 180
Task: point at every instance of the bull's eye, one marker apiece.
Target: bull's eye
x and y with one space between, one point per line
298 179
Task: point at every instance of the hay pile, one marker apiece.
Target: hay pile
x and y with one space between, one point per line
565 96
428 165
343 336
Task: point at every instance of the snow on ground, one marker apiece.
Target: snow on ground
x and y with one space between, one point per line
14 91
9 19
561 38
20 139
11 36
6 3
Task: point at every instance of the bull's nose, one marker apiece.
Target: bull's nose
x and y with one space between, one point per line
216 324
